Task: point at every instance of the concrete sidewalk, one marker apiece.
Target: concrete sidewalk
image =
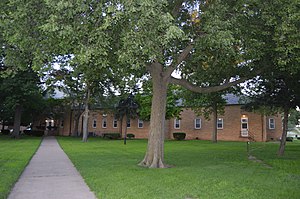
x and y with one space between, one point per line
50 174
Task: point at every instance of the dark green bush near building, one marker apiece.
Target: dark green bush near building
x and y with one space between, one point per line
36 133
179 135
130 136
5 132
27 132
112 136
289 139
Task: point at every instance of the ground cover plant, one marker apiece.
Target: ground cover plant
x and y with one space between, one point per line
200 169
14 156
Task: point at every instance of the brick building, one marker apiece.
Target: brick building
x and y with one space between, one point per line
235 125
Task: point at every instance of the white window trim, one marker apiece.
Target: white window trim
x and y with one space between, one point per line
196 123
115 120
140 122
272 122
104 119
221 122
175 123
94 124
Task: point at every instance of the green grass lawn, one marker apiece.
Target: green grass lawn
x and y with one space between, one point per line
14 156
201 170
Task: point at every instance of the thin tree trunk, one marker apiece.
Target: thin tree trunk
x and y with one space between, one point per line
86 117
284 132
76 123
154 157
214 138
121 126
125 132
17 121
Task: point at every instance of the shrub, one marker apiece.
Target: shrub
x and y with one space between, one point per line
5 132
37 133
112 136
179 135
27 132
289 139
130 136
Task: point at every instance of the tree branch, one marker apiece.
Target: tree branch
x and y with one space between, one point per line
197 89
176 9
182 56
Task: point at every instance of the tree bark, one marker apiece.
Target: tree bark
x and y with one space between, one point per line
125 132
86 117
17 121
154 157
284 132
214 138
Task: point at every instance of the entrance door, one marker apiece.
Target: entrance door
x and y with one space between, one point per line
244 127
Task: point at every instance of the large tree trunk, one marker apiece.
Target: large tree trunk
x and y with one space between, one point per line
154 157
284 132
214 137
17 121
86 117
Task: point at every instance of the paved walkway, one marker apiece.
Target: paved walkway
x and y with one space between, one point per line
50 175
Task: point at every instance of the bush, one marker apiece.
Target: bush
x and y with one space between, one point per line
34 133
5 132
289 139
112 136
130 136
179 136
27 132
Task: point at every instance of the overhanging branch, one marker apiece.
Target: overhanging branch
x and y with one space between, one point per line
182 56
197 89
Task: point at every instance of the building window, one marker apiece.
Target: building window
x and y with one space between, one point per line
220 123
197 123
104 123
128 123
176 124
271 123
94 123
244 126
140 123
115 123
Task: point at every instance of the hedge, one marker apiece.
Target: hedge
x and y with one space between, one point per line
130 135
5 132
179 135
112 136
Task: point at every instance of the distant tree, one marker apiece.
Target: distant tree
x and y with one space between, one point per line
20 91
126 108
209 105
294 118
277 92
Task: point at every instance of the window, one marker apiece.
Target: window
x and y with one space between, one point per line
140 123
104 123
197 123
244 126
271 123
115 123
176 124
128 123
220 123
94 123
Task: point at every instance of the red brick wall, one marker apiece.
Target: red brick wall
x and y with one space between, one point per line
258 125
